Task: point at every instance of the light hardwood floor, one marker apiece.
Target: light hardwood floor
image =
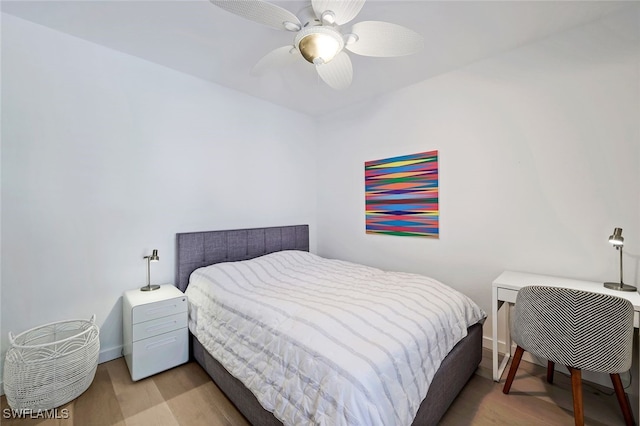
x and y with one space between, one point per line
186 396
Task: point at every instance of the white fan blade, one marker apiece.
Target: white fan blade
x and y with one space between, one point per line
343 10
337 73
384 39
279 57
261 12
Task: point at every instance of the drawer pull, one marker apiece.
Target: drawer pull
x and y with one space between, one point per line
161 326
161 343
157 309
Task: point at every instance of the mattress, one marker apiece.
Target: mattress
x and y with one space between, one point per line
321 341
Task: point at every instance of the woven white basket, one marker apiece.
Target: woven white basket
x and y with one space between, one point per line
49 365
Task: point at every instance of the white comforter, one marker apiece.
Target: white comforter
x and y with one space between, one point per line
328 342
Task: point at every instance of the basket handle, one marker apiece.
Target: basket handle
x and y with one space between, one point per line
11 338
93 319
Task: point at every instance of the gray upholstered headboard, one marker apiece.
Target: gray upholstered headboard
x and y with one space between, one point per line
197 249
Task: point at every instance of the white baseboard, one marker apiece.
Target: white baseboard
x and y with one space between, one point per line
487 342
110 354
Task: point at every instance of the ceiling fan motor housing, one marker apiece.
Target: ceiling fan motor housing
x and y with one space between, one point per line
308 17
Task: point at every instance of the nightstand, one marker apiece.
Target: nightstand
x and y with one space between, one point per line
155 330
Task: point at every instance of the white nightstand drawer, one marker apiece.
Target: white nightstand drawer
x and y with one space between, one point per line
159 353
151 311
154 327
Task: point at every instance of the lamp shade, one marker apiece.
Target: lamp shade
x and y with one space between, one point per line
154 256
616 238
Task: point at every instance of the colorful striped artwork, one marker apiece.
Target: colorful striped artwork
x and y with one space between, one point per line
402 195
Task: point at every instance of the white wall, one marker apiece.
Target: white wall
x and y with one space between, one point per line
105 157
539 161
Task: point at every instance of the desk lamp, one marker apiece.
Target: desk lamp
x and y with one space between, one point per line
618 241
153 257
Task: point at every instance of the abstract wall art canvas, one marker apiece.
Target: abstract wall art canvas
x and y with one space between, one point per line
401 195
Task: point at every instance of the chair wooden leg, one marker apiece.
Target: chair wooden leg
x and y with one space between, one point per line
576 388
551 366
517 356
622 399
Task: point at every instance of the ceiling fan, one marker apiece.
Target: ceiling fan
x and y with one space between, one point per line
321 39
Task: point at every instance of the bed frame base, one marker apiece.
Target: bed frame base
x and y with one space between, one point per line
454 372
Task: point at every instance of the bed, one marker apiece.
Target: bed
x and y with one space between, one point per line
286 247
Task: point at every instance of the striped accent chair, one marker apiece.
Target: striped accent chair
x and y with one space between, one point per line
578 329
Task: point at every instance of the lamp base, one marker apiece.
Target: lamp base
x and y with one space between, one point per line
149 287
620 286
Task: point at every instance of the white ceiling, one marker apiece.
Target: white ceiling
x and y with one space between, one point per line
203 40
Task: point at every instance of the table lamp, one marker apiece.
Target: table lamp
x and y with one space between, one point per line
618 241
153 257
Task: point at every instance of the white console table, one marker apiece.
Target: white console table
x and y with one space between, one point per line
505 289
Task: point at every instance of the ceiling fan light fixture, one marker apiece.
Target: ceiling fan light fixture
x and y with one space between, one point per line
319 45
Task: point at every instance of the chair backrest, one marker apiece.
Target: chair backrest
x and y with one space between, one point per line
579 329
